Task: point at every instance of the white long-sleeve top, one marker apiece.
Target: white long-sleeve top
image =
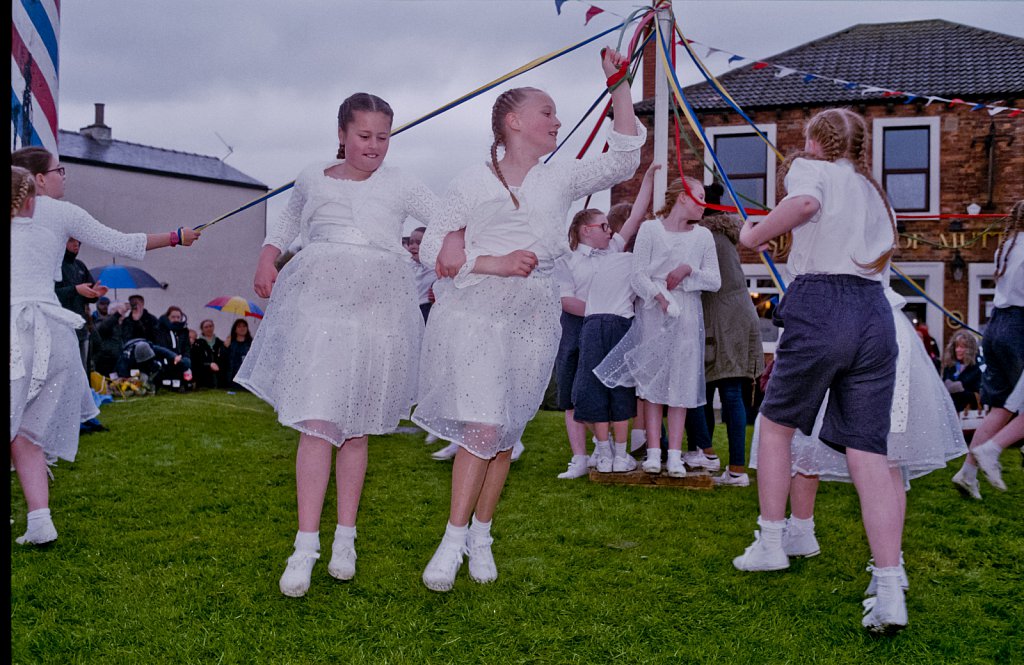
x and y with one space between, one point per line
379 207
478 202
658 252
1010 287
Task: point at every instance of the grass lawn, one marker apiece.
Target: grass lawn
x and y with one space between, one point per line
175 526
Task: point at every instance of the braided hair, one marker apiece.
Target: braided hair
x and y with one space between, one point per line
841 133
507 102
578 220
360 101
23 187
1013 228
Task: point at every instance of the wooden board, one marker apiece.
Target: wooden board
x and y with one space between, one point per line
694 480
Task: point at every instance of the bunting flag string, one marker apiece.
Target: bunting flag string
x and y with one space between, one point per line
781 71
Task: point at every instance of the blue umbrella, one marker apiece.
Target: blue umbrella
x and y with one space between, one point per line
124 277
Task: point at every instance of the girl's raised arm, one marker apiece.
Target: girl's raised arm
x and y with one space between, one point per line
641 205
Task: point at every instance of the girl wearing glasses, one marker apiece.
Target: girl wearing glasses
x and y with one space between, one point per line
663 354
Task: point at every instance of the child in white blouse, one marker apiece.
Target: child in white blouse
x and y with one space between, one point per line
663 354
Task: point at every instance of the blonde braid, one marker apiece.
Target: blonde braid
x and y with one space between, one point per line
506 103
859 157
23 187
1013 228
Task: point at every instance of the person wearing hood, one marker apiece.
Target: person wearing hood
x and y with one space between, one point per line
172 342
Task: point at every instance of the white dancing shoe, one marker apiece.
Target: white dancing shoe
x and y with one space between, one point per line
966 485
800 543
446 453
653 462
431 439
729 479
481 561
624 464
42 533
675 467
343 561
577 469
761 558
295 580
872 589
439 575
886 613
987 457
696 459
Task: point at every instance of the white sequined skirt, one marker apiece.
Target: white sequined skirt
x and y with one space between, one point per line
336 354
50 418
487 358
932 435
662 356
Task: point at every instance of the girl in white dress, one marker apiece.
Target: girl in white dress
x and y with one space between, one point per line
674 259
924 435
336 352
50 395
491 340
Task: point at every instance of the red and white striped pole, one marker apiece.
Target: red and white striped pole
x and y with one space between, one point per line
35 37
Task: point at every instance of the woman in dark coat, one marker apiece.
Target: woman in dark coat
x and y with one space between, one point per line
210 358
238 344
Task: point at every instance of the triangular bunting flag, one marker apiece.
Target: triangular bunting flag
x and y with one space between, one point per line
955 101
558 6
760 65
996 110
977 106
1015 113
783 72
809 78
910 98
868 90
736 58
591 13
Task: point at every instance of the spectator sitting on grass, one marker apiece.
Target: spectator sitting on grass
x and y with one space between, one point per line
172 335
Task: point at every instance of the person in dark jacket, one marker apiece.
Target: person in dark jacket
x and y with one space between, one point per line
111 343
140 324
960 370
210 358
238 345
172 336
75 291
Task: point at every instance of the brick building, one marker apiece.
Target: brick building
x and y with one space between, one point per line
932 157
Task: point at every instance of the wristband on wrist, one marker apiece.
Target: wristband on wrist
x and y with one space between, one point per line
173 237
180 239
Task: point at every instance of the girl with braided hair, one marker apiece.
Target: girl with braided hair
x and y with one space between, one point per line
1003 348
50 394
337 351
491 340
839 337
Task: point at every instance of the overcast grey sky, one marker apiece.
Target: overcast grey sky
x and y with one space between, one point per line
268 76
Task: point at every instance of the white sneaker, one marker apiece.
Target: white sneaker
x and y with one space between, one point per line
481 560
295 581
727 478
343 562
675 467
872 589
439 575
431 440
799 543
886 613
575 470
652 464
696 459
517 450
41 534
448 452
967 486
987 457
604 464
759 557
624 464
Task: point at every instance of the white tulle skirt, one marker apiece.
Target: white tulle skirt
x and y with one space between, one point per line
51 417
662 356
337 352
931 438
488 353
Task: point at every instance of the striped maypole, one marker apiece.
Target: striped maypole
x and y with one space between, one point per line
35 29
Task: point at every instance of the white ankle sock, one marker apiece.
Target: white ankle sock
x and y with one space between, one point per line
579 459
771 532
970 471
800 525
345 534
654 455
991 445
307 541
676 455
38 517
478 528
603 448
456 534
620 449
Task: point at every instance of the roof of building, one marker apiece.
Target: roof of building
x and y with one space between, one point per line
76 147
932 57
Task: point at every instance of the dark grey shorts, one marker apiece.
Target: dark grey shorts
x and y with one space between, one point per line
595 402
567 359
839 337
1003 345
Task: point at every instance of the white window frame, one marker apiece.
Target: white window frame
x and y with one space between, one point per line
975 273
935 287
761 271
879 126
766 129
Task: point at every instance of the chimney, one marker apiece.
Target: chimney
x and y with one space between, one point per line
97 130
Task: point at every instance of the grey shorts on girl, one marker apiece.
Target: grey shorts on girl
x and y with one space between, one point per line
838 336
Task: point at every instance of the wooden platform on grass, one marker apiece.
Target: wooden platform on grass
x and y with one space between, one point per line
694 480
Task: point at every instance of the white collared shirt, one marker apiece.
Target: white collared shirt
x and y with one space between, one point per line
574 271
611 289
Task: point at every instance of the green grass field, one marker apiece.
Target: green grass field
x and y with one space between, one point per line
175 526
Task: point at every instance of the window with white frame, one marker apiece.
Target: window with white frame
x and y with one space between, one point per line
905 158
981 293
929 276
747 160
